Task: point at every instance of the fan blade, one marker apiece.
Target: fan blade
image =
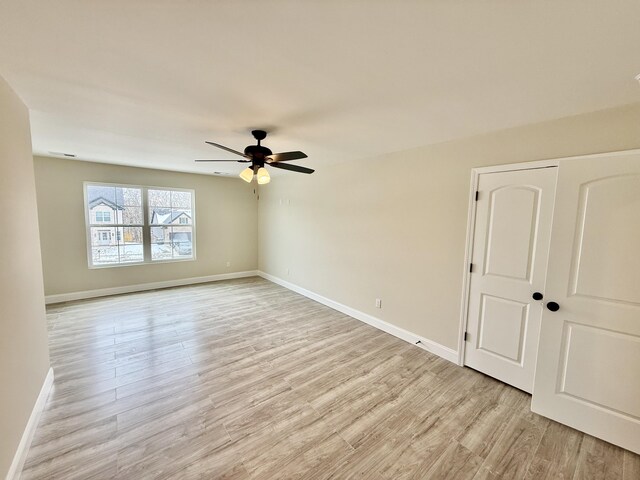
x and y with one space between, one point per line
206 160
286 156
293 168
228 149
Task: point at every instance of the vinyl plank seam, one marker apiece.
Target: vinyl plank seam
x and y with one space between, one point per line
203 359
322 418
504 434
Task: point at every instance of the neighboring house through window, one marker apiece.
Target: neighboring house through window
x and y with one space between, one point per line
118 215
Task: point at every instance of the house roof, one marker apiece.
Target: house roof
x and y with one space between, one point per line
102 200
166 216
112 196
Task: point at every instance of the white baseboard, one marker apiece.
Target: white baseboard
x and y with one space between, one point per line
103 292
15 469
426 344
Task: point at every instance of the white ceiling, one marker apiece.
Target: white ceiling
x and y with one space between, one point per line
147 82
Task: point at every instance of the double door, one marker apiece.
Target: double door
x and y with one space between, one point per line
554 303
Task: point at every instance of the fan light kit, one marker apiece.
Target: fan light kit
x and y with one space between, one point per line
247 174
259 156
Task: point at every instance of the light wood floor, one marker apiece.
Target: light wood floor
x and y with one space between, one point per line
246 380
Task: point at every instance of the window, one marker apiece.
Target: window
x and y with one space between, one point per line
103 216
170 214
130 224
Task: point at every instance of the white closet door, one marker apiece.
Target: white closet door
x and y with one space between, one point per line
588 367
510 248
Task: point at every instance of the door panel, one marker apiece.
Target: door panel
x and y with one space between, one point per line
503 324
510 247
588 368
588 377
511 237
606 267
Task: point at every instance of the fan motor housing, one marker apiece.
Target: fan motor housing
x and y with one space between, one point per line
257 151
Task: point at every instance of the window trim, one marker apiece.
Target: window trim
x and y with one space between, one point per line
146 225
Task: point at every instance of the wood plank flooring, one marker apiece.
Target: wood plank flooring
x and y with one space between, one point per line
244 379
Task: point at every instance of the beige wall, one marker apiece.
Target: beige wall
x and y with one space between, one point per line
394 227
226 225
24 353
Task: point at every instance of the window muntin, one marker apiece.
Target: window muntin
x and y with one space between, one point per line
119 215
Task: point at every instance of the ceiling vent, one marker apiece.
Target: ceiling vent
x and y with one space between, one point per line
62 154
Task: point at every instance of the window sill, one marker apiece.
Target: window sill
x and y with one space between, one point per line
137 264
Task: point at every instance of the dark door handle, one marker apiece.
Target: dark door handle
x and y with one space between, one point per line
537 296
553 306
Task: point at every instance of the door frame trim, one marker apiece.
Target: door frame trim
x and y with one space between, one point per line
471 226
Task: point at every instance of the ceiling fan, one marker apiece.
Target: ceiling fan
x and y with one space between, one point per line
258 156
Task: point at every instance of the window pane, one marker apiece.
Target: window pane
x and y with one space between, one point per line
181 242
181 200
104 246
159 206
159 198
129 197
168 207
130 244
161 243
132 215
129 201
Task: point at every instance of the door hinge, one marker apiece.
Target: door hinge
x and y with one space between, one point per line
466 337
477 195
471 268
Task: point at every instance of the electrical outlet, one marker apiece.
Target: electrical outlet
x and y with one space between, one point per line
378 303
287 271
228 264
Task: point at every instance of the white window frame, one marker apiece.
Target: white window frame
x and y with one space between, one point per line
102 212
146 225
